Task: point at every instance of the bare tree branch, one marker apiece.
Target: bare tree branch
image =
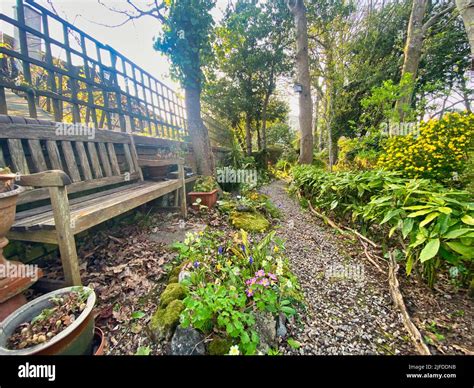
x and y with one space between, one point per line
436 16
155 10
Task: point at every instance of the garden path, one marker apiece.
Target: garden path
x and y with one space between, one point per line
350 310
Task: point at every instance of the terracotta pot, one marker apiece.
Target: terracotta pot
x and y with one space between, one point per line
76 339
98 342
207 199
10 287
8 201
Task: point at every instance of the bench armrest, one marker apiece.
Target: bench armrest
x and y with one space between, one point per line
159 163
50 178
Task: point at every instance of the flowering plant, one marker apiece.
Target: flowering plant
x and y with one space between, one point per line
440 149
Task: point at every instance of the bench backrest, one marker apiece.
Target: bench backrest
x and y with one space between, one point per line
89 157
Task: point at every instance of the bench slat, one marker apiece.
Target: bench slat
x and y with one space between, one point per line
18 156
113 159
105 160
70 161
96 169
86 213
128 157
39 194
39 161
84 162
47 208
32 218
54 155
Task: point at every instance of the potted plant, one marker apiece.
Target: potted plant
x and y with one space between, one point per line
58 323
11 287
204 192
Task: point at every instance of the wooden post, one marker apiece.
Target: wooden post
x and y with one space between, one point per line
66 241
182 178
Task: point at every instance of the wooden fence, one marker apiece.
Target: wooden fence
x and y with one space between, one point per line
93 84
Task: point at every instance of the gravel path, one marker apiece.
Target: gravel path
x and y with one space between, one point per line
349 309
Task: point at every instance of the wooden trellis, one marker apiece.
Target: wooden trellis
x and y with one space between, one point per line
106 88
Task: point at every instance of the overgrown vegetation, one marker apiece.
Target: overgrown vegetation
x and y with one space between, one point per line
231 282
433 225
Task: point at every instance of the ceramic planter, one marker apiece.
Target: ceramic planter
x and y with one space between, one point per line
208 199
76 339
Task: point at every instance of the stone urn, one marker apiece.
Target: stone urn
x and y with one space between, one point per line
15 277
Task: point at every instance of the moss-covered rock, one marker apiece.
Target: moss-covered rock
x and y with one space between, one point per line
219 346
249 221
172 292
174 273
165 320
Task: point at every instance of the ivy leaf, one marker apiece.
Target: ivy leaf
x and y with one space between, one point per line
430 250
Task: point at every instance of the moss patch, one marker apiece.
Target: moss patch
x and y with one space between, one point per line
172 292
165 320
174 273
219 346
249 221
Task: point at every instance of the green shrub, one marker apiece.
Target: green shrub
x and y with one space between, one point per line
436 224
359 153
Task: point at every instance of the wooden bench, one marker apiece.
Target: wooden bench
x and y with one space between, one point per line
75 182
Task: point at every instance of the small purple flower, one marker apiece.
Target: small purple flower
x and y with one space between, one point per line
250 260
264 282
272 276
249 292
260 273
242 246
220 250
196 264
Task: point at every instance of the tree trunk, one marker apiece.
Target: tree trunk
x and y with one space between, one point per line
198 132
248 134
264 121
316 117
412 52
259 139
298 10
466 9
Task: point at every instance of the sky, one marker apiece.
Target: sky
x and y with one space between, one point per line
134 39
